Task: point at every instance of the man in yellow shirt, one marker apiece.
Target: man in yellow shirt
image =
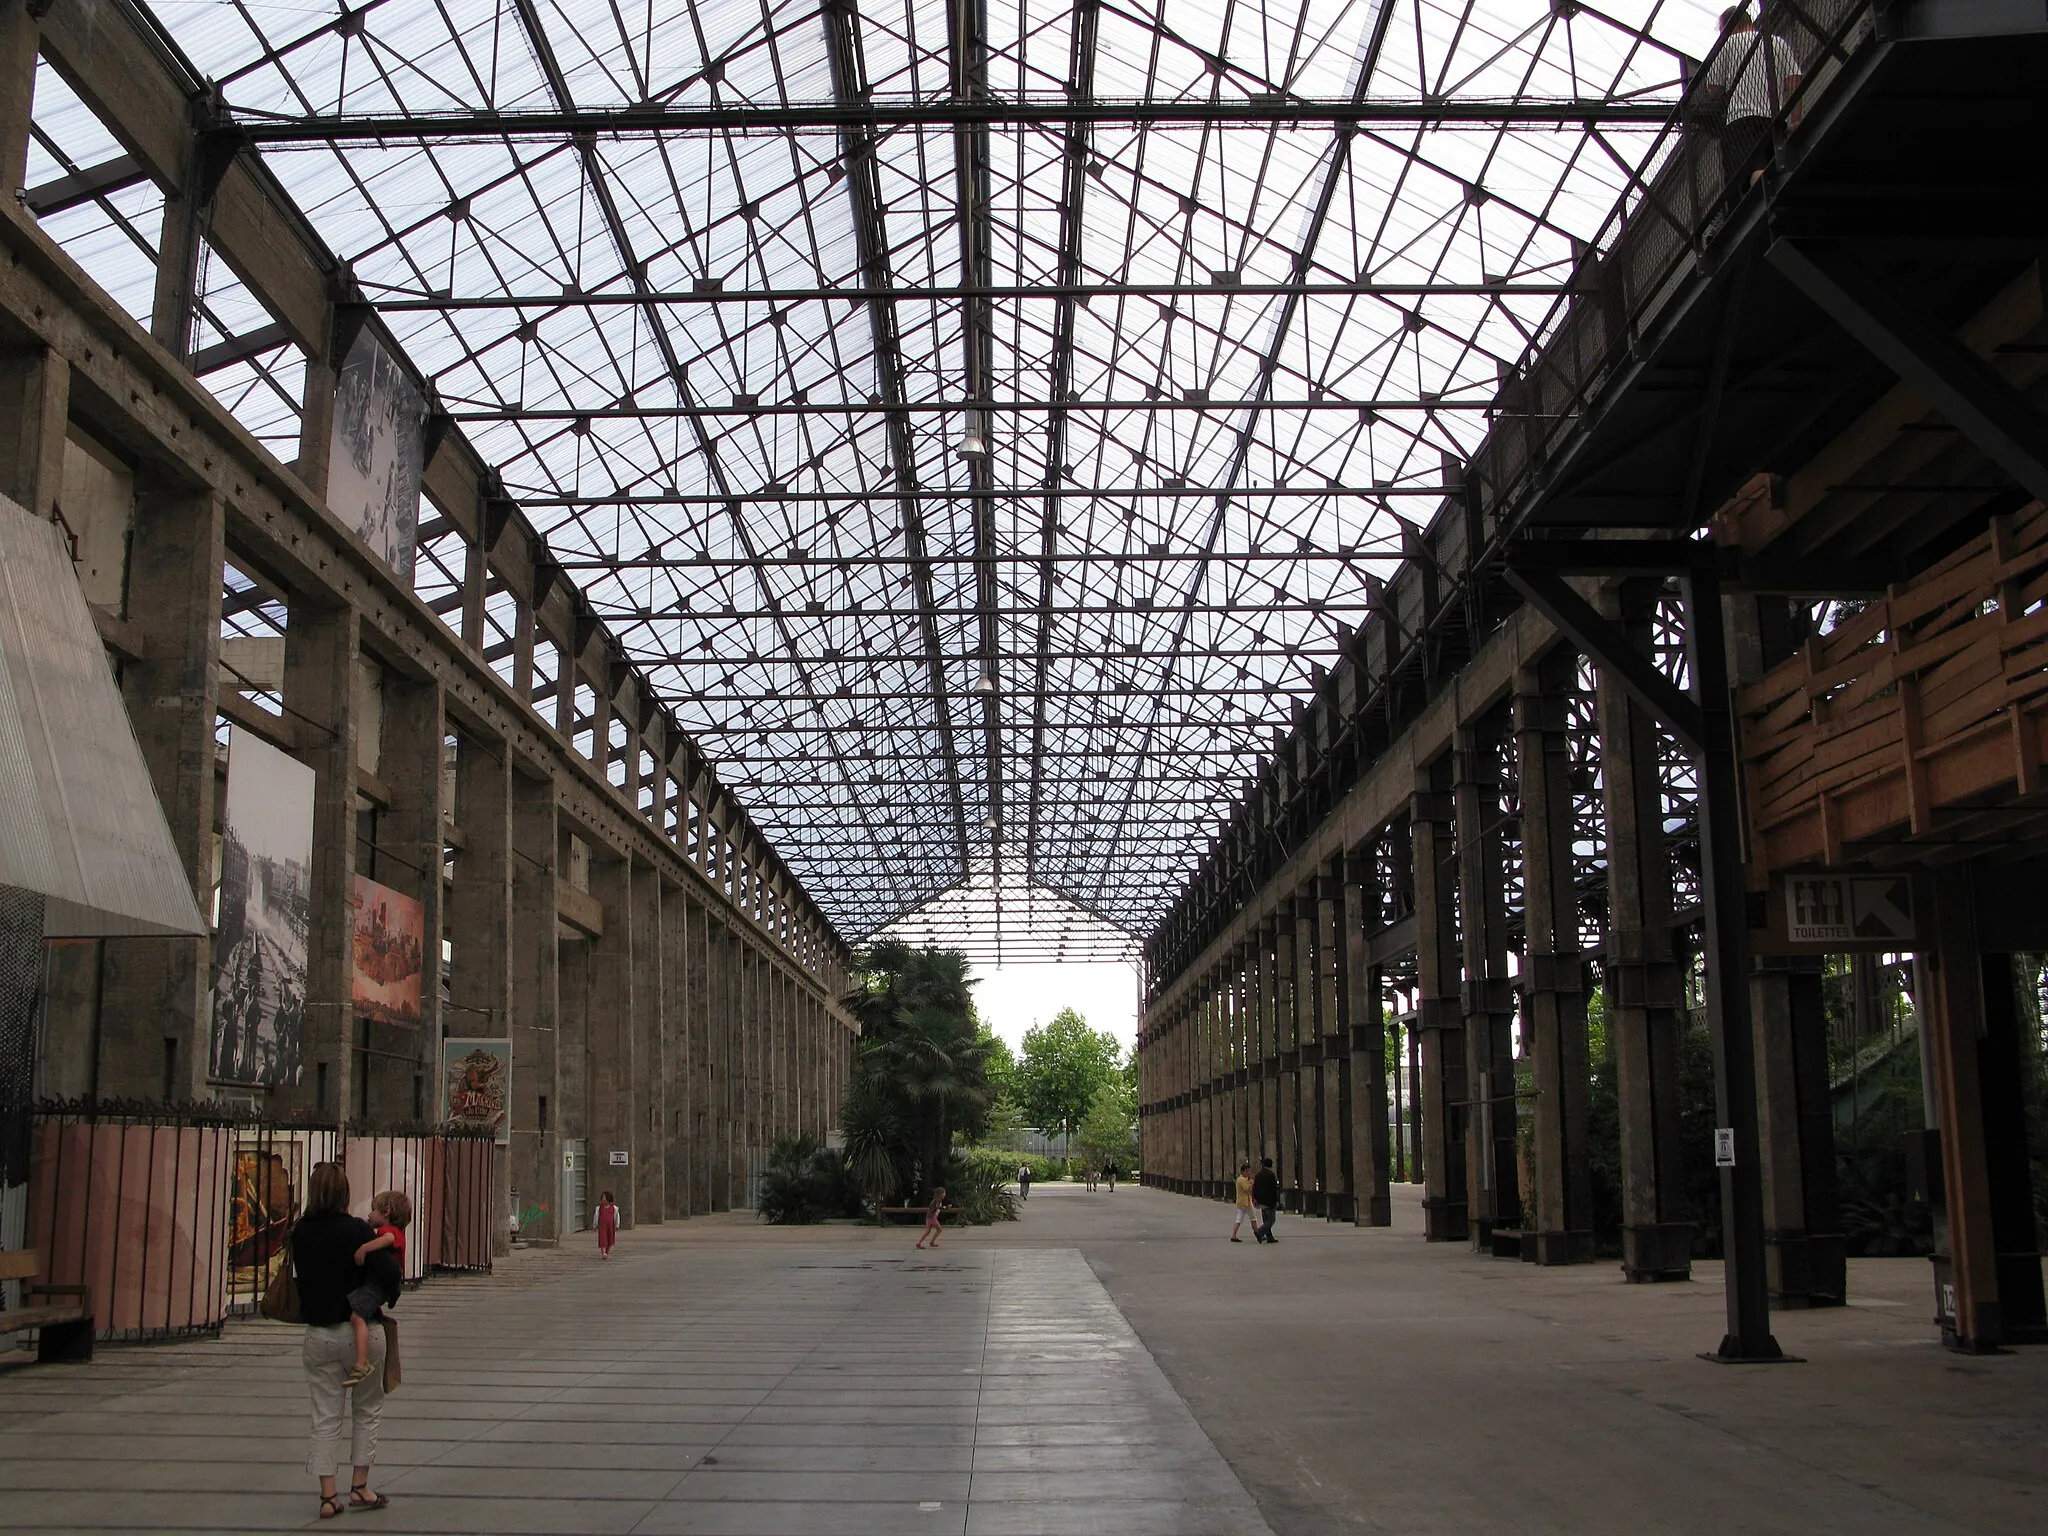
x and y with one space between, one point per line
1244 1200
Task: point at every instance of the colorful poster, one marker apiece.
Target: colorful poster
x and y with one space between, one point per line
389 932
259 949
476 1078
263 1202
376 451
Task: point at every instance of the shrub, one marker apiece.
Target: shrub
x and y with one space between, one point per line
981 1192
1003 1165
804 1182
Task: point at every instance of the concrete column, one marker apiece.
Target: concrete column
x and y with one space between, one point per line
35 414
1262 1037
1440 1005
1365 1044
1491 1179
539 1106
1332 1047
611 1062
1645 990
1560 1207
700 995
1804 1258
1287 995
646 1090
399 1066
319 696
21 35
316 429
679 1121
155 995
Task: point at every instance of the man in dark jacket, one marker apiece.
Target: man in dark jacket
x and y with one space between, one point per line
1266 1196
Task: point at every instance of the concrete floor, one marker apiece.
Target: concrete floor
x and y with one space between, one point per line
719 1376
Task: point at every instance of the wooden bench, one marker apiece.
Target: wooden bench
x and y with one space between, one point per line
913 1210
66 1325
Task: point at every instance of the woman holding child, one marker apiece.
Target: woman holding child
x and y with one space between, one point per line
324 1249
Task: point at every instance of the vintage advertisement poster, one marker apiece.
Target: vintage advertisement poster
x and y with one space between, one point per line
389 932
259 951
263 1202
476 1077
377 451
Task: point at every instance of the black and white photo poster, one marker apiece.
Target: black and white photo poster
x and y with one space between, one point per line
259 953
376 453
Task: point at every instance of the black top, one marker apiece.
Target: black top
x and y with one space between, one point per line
1265 1188
324 1259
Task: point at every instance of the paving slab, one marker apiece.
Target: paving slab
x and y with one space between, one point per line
721 1388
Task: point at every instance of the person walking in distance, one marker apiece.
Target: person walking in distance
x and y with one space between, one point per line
931 1217
1244 1202
1109 1174
1023 1181
607 1226
1266 1196
1094 1176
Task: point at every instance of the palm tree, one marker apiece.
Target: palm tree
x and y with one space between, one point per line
921 1054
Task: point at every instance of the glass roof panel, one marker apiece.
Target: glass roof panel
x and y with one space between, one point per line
1039 444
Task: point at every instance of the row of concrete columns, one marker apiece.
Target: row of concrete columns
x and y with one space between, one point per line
590 892
1471 896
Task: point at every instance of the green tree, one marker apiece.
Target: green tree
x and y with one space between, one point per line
1002 1063
1109 1129
1064 1063
922 1072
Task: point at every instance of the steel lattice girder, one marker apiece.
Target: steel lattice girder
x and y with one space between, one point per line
720 289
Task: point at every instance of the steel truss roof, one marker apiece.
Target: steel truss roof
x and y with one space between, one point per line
724 289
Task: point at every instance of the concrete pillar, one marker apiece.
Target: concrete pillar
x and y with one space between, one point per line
21 35
1804 1259
611 1061
1365 1044
320 646
540 1110
35 414
155 995
1296 994
1560 1207
1440 1004
398 1066
1331 1049
1645 986
1491 1178
646 1089
700 1004
679 1122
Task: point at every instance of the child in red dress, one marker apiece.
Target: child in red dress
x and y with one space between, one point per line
607 1226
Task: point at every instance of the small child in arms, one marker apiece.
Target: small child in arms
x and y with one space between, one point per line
383 1260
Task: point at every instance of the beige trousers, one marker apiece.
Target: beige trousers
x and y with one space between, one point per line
351 1414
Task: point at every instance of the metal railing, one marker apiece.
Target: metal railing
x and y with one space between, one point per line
176 1215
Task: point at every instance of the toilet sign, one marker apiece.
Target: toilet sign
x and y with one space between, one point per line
1724 1146
1859 910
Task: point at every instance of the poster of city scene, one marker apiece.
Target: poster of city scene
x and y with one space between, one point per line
476 1084
377 450
259 951
389 932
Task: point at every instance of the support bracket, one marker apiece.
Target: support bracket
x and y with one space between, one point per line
1610 648
1955 380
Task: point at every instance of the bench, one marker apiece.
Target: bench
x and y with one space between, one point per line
913 1210
66 1325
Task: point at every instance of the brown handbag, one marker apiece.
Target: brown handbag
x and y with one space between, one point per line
281 1296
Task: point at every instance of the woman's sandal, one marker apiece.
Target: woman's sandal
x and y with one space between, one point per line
357 1501
332 1504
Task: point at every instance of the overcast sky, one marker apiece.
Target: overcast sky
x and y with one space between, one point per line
1016 997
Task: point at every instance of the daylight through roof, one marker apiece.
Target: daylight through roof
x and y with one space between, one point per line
981 422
